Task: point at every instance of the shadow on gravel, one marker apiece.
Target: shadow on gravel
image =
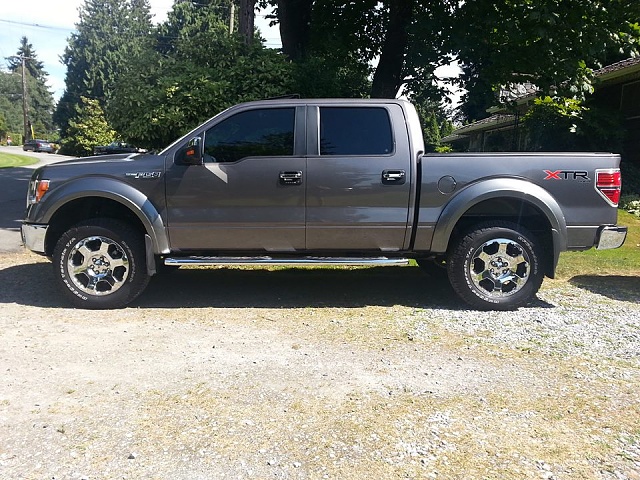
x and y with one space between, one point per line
297 288
32 284
29 284
616 287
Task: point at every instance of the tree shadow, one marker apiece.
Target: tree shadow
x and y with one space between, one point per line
616 287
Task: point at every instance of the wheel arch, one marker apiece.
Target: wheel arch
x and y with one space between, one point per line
515 200
81 200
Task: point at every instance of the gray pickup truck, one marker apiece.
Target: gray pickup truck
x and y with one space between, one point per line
337 182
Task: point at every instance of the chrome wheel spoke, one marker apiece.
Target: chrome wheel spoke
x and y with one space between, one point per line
98 266
499 267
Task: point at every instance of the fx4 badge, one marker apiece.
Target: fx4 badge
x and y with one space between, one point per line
143 175
578 175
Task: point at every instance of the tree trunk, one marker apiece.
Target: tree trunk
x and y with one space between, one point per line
295 27
247 20
388 77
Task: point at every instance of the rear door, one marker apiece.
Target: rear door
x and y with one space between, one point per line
358 178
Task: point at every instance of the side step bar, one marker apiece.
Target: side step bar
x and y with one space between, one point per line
210 261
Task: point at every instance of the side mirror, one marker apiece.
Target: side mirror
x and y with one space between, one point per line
191 153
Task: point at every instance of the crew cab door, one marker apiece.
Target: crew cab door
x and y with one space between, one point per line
358 178
249 193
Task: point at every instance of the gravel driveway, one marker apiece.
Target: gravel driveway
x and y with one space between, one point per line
319 373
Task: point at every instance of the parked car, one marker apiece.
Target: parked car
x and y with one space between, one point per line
39 146
117 147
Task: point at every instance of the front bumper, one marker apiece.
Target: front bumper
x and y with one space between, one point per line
33 236
611 237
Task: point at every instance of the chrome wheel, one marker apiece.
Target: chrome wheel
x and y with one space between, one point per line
98 265
499 267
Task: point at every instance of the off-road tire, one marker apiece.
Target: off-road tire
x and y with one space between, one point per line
496 266
100 264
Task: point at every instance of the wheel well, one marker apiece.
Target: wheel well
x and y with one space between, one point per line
512 210
83 209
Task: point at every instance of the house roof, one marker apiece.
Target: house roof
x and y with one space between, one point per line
484 124
618 69
608 74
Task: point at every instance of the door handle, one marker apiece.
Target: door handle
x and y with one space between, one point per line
393 177
291 178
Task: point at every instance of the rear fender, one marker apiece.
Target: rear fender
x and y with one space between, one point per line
500 188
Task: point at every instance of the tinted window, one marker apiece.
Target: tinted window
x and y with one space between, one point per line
254 133
355 131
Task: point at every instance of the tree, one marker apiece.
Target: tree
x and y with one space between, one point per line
108 33
551 43
39 97
190 71
87 128
548 42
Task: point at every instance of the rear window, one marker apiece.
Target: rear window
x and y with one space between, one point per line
355 131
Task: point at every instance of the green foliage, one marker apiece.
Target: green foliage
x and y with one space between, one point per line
191 71
631 203
553 44
108 33
40 99
87 129
570 125
552 125
3 125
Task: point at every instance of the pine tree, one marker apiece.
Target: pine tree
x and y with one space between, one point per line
108 32
39 97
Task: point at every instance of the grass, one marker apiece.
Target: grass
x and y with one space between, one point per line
620 261
12 160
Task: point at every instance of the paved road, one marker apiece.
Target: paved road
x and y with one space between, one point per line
13 191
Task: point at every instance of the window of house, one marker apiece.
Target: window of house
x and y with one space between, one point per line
355 131
266 132
630 106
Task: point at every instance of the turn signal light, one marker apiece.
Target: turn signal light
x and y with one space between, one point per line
37 191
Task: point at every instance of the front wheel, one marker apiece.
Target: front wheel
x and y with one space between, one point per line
496 266
101 264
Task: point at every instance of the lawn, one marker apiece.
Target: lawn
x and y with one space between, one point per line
12 160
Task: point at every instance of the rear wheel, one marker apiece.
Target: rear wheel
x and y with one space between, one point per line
496 266
101 264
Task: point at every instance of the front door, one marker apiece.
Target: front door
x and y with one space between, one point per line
250 192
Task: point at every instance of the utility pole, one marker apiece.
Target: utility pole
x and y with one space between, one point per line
25 102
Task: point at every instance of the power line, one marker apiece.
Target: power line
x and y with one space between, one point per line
37 25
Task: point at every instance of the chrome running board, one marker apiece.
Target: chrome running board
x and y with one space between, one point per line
210 261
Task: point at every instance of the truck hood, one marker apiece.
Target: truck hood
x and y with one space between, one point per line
114 158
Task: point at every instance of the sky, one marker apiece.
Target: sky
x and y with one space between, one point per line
47 24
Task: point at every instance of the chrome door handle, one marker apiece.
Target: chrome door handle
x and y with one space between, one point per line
393 177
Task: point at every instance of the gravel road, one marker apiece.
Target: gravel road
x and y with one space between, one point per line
320 373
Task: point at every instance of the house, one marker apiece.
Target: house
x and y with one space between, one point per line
616 85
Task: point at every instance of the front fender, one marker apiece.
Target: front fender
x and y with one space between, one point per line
500 188
136 201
